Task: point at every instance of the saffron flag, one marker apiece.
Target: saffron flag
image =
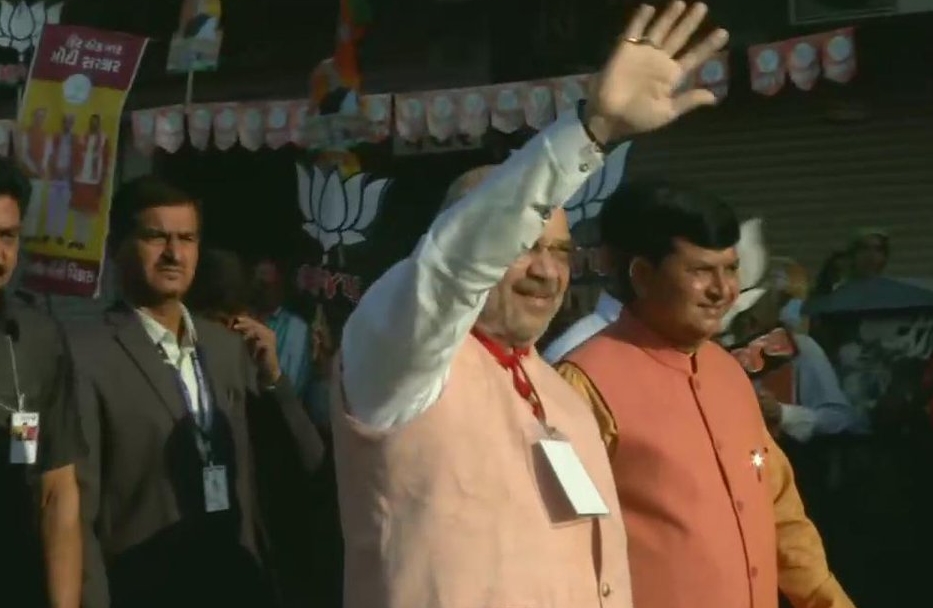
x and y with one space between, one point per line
342 70
350 30
195 46
335 87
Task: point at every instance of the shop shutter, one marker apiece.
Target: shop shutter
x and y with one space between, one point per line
814 181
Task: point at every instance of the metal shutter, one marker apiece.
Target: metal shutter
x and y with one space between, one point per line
814 181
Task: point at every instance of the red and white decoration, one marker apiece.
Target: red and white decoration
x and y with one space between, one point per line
467 114
412 117
839 62
253 125
803 60
712 75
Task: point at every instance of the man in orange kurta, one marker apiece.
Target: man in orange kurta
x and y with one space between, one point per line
709 502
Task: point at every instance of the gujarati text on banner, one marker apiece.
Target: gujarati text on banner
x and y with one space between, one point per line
66 141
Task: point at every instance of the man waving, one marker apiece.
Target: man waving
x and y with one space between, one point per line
469 473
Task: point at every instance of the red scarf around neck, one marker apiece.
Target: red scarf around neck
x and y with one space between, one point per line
511 359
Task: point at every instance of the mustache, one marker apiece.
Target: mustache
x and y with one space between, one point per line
537 289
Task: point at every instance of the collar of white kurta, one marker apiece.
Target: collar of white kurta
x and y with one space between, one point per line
607 307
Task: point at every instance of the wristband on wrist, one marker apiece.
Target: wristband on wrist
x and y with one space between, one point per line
581 114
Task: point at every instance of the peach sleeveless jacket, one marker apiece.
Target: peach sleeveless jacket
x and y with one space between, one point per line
698 511
456 510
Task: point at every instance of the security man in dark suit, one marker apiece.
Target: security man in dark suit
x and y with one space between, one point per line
40 437
167 402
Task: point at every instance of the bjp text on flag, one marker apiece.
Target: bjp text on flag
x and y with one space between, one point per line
66 141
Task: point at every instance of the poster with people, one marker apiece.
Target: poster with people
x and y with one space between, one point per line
66 141
195 46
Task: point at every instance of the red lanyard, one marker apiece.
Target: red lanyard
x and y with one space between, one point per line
511 360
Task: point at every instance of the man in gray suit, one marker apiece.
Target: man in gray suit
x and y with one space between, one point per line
170 404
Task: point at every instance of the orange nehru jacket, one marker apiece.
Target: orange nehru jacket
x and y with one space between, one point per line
712 514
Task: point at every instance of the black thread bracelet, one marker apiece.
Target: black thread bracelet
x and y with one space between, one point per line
604 149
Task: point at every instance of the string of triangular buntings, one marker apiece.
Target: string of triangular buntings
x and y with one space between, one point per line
465 114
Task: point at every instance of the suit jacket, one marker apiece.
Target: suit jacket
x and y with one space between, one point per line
148 539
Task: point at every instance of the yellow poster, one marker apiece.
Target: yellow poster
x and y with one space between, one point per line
66 141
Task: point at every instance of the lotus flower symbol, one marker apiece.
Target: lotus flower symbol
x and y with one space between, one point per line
588 200
337 211
21 23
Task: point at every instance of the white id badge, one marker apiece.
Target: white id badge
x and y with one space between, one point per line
573 478
216 497
24 437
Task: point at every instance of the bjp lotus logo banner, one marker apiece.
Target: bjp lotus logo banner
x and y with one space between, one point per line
66 141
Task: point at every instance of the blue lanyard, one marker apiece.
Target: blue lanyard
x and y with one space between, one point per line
202 416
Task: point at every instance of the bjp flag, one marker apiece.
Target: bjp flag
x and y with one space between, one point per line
66 141
195 46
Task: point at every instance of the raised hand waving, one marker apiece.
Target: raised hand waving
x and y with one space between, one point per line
636 91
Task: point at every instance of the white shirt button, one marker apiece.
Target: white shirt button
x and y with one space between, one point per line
606 590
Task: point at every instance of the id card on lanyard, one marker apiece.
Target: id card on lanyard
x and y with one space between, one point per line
560 455
214 475
24 426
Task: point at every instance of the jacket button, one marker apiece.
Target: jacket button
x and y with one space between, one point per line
753 571
606 590
739 506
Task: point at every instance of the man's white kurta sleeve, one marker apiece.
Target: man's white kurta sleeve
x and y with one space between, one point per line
399 342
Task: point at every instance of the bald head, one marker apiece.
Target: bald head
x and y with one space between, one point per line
464 184
520 306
